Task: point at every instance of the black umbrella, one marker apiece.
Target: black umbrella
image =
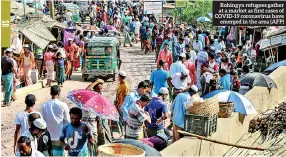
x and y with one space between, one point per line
149 151
257 79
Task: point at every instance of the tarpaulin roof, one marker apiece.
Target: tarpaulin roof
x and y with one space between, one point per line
49 22
38 34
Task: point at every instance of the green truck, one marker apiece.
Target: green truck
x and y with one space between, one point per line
101 58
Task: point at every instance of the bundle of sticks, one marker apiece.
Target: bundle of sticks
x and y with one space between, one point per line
272 124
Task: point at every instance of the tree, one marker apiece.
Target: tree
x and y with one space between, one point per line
194 10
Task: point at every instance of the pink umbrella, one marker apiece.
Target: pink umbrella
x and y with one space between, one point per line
109 27
94 102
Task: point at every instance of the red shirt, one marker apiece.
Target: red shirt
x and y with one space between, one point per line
103 17
70 50
192 69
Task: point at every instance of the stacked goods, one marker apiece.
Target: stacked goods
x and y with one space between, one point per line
225 109
271 124
208 107
201 118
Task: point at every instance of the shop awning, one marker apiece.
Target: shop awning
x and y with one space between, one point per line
277 40
38 34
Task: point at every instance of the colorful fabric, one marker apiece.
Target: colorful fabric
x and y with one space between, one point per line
121 92
135 121
147 44
61 74
192 69
69 67
76 139
167 56
225 81
202 58
156 108
68 34
50 69
8 86
27 75
76 62
49 56
58 149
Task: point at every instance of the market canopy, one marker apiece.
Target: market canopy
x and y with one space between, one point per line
38 34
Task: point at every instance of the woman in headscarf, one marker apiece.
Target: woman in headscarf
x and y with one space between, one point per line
27 64
49 62
70 50
76 61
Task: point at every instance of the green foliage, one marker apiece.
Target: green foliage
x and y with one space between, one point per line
194 10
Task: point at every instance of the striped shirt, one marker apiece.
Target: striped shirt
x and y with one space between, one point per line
135 121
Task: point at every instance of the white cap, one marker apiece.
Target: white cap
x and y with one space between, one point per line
194 88
183 55
122 73
26 46
218 51
164 90
186 72
40 123
51 46
8 49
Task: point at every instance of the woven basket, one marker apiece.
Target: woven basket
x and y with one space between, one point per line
225 109
119 149
209 107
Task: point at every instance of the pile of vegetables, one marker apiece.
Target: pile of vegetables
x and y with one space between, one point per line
271 124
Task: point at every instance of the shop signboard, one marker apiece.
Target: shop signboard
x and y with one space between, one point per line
153 8
181 3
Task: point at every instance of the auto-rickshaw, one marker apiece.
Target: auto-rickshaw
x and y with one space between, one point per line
101 58
74 9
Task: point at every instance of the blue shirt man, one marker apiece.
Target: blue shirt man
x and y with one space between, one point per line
132 97
179 109
132 26
129 100
156 108
158 112
159 78
76 139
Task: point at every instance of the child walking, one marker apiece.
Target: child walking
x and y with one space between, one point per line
61 69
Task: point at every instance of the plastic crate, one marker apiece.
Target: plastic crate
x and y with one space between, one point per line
200 125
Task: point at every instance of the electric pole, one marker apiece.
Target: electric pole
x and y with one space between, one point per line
52 9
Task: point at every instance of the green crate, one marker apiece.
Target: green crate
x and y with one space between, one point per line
200 125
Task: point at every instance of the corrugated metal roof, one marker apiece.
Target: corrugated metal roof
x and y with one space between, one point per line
39 41
38 34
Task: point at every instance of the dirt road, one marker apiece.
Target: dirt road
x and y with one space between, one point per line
137 65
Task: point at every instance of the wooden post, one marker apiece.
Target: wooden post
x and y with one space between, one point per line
52 9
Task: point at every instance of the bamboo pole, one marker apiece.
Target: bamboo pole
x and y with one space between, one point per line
224 143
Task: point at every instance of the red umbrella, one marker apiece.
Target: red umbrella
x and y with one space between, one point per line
94 102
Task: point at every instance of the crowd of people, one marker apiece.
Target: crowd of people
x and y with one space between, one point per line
190 63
